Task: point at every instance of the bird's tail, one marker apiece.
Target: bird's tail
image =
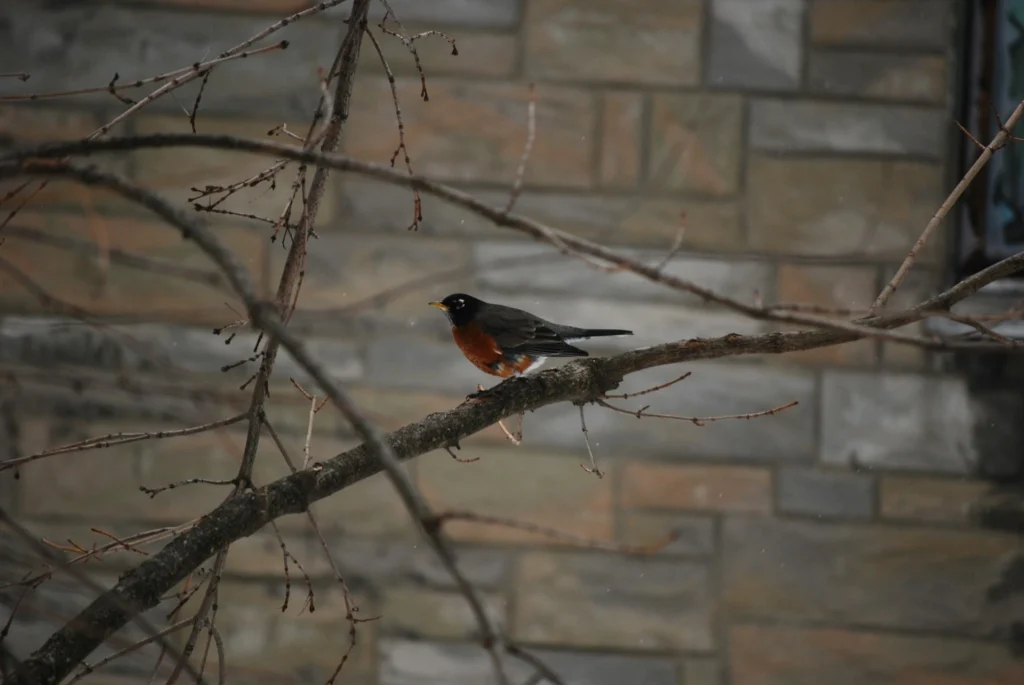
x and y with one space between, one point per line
602 332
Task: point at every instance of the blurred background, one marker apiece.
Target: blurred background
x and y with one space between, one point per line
871 534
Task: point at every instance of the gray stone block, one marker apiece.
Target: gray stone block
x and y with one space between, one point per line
756 44
375 561
643 41
406 662
825 493
897 578
79 45
610 601
544 269
888 76
905 24
898 421
156 349
809 126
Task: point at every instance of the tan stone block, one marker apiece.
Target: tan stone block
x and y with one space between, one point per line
481 53
621 113
174 172
788 655
370 507
608 218
693 535
704 488
645 41
103 286
97 485
695 143
828 207
835 287
26 125
422 612
849 287
264 644
896 23
475 131
936 500
528 486
33 124
595 600
103 484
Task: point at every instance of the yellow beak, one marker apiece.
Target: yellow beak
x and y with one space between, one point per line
439 305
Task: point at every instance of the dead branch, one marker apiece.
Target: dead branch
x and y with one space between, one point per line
656 388
545 531
114 439
1000 139
642 413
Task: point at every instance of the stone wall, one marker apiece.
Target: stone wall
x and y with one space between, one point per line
807 144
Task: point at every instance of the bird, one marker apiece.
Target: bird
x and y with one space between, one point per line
503 341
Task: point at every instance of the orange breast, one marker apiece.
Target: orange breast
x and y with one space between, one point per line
480 349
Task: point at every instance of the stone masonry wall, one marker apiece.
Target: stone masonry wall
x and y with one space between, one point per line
807 143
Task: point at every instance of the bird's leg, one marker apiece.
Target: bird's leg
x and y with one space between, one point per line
517 437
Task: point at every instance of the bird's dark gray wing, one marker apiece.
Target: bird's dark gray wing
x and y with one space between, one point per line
518 332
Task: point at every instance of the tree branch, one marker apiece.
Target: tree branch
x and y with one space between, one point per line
564 242
244 513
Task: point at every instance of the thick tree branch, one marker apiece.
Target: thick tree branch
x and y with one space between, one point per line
246 512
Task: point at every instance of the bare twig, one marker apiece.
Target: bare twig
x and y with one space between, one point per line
91 668
590 452
192 70
545 531
696 420
195 105
531 132
153 492
408 41
417 212
656 388
979 164
114 439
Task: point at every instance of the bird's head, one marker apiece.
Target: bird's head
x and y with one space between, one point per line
459 307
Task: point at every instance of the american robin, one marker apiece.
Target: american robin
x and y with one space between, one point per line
503 341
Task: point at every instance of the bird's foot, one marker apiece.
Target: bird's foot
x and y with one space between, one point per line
480 393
